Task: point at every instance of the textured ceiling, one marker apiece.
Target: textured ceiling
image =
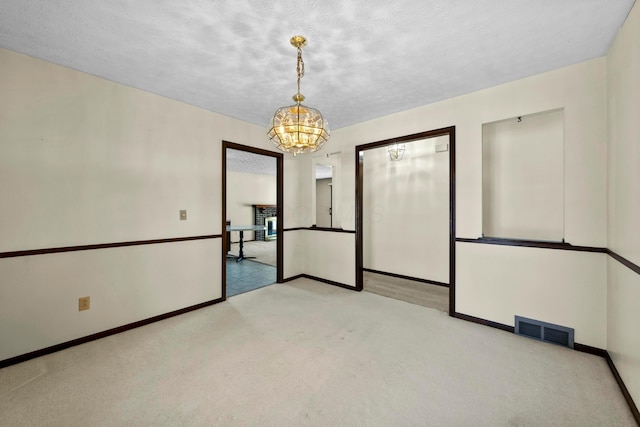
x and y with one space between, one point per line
364 59
247 162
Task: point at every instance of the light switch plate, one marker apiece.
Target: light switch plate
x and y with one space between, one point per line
84 303
183 215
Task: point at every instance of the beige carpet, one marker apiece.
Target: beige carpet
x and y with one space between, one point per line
305 353
264 251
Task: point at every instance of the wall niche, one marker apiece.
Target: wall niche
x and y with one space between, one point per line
523 177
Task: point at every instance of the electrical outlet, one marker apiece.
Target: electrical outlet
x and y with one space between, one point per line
183 215
84 303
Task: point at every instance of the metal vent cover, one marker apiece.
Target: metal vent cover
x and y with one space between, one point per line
543 331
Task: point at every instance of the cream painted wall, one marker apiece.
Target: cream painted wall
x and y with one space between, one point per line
301 206
243 191
563 287
406 211
323 202
313 252
624 139
87 161
579 89
333 159
623 296
523 177
325 262
39 294
295 248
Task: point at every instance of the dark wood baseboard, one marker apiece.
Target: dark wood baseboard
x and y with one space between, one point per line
484 322
319 279
578 347
292 278
614 371
623 388
590 350
62 346
400 276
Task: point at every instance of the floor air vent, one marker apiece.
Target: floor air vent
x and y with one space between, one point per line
544 331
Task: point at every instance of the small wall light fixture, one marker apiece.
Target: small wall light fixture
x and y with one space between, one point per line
396 151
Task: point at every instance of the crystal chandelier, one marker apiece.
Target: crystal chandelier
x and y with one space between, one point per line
298 128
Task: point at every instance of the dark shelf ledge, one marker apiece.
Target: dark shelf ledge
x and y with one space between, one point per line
532 244
314 228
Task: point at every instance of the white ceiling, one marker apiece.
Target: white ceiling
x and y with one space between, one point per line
364 59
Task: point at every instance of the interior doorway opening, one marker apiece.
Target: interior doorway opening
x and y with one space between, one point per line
405 218
252 194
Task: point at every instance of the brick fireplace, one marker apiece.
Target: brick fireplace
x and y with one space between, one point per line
260 214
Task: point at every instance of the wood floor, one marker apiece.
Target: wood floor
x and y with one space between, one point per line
424 294
411 291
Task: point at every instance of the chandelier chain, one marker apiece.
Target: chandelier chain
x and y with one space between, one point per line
300 67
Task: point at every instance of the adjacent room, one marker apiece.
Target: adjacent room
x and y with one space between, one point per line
407 183
319 213
251 197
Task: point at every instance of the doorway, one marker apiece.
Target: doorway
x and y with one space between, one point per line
252 197
324 195
405 218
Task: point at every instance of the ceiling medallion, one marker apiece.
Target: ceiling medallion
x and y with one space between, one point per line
298 128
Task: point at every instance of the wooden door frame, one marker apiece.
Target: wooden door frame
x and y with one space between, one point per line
451 133
279 208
